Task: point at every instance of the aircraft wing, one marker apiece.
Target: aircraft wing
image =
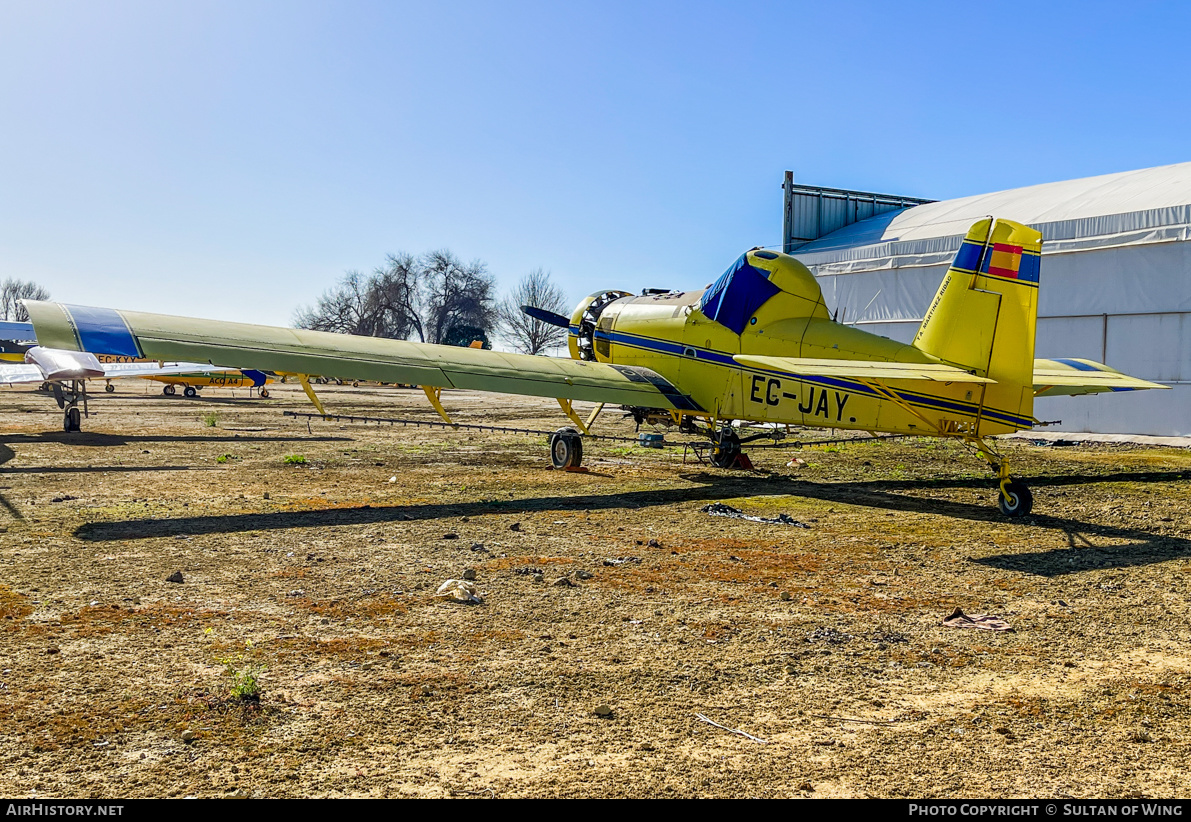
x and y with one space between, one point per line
1070 376
47 364
19 373
860 369
298 351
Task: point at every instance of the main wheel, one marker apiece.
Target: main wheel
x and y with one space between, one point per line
72 420
566 448
264 393
190 392
109 388
1020 499
169 391
726 449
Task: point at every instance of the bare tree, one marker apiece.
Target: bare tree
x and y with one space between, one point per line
526 333
457 295
435 297
343 309
384 304
12 292
397 292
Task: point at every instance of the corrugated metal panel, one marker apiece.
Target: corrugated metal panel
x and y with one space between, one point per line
813 211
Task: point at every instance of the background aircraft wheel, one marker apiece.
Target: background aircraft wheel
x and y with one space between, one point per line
190 392
169 391
727 449
109 388
265 393
72 421
1020 499
355 383
566 448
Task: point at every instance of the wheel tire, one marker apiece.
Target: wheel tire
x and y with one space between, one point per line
190 392
109 388
169 391
72 421
726 450
1020 499
264 393
355 383
566 449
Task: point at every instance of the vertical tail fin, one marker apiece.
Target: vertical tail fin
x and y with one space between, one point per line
983 317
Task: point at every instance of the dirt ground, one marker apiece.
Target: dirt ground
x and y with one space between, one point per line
310 554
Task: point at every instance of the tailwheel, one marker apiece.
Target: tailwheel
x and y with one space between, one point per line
190 392
169 391
566 449
725 448
1014 498
72 420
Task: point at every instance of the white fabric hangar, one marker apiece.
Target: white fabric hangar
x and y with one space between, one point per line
1115 284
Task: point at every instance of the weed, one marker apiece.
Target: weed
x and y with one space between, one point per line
294 459
211 419
222 458
245 675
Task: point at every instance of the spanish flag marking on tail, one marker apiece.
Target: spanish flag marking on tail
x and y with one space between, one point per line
1011 262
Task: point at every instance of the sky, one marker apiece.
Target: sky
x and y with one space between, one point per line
232 160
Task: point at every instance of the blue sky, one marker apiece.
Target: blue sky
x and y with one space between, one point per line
232 159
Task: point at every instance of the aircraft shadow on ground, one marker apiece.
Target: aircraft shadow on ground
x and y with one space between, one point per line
1081 553
108 440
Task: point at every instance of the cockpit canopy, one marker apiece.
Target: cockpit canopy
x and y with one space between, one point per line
737 294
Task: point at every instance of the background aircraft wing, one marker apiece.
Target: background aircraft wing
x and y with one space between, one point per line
297 351
18 373
1073 376
861 369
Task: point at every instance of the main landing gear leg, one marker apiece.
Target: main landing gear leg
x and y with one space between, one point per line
1013 497
68 401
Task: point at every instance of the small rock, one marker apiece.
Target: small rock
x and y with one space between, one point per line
563 582
176 576
603 711
785 596
450 535
539 578
653 543
238 793
392 479
581 574
51 651
469 573
188 735
516 526
790 669
266 495
806 786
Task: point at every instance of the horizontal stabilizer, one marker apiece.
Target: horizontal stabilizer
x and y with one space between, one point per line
861 369
1070 377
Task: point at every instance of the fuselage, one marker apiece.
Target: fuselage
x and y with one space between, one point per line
672 334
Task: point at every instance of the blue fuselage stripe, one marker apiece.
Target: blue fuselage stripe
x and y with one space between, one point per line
103 331
720 358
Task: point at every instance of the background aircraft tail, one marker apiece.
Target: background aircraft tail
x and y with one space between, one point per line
983 317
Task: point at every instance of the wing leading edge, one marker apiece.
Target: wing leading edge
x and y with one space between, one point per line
297 351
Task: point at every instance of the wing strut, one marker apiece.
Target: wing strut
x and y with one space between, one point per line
305 380
569 410
435 396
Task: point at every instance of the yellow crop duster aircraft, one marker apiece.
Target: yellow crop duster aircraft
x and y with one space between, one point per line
757 345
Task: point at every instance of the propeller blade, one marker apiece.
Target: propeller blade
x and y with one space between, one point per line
546 316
